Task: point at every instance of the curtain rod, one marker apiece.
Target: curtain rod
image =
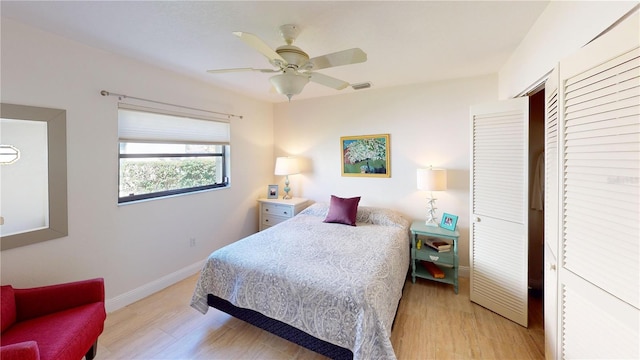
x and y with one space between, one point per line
121 96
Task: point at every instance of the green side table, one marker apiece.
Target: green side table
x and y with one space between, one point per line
446 261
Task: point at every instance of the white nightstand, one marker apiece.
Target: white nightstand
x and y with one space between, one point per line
275 211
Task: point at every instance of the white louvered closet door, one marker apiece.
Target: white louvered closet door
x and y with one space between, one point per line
499 183
599 273
551 201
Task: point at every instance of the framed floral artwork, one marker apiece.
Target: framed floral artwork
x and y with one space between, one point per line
365 155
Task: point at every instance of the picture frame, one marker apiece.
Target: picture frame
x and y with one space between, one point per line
272 192
366 156
449 221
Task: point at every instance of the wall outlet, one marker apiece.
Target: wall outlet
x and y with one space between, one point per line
192 242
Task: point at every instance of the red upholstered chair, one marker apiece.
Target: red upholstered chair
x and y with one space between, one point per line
52 322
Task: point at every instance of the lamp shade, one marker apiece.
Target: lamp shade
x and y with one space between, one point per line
287 166
432 179
289 83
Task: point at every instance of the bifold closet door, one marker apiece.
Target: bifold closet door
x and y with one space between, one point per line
551 210
599 250
499 198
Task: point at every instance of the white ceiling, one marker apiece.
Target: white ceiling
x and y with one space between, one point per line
406 42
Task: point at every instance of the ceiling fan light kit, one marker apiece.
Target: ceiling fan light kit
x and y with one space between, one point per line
295 66
289 83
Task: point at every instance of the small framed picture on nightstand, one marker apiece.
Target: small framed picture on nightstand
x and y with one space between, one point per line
449 221
272 192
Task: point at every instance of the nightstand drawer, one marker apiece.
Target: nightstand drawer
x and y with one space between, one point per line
434 256
270 220
277 210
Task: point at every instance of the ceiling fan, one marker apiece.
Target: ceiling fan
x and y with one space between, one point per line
294 66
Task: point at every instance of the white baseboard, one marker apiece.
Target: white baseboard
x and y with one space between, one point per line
141 292
464 271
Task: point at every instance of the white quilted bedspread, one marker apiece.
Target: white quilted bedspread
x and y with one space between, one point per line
339 283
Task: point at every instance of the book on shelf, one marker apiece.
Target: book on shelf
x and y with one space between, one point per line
433 269
437 244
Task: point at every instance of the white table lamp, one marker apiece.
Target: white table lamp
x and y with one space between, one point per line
287 166
432 180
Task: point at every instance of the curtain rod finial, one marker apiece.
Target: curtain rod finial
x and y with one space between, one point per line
104 93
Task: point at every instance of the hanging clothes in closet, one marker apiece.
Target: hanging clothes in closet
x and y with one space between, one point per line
537 187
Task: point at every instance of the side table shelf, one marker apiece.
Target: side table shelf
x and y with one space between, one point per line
446 261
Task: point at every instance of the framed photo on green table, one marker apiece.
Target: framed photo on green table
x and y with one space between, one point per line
449 221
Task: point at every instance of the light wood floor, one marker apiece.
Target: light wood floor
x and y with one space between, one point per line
432 323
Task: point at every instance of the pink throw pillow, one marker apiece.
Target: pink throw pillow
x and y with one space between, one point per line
343 210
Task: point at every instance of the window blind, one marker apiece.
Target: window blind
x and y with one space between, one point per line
137 125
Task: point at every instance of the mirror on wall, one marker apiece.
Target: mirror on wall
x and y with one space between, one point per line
33 175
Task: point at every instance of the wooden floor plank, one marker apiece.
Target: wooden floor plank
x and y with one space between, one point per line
432 323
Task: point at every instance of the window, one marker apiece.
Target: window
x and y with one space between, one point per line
162 154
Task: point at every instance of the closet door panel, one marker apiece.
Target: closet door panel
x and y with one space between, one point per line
551 163
550 304
499 183
551 201
601 190
599 249
597 325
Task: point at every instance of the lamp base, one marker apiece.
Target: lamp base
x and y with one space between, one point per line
432 220
286 195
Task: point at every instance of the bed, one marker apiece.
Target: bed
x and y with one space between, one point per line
330 287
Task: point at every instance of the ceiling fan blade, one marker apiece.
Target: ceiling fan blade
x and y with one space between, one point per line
345 57
328 81
220 71
259 45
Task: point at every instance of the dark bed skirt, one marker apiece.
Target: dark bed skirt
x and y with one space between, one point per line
281 329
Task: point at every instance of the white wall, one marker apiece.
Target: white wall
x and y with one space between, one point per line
563 28
139 247
428 124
